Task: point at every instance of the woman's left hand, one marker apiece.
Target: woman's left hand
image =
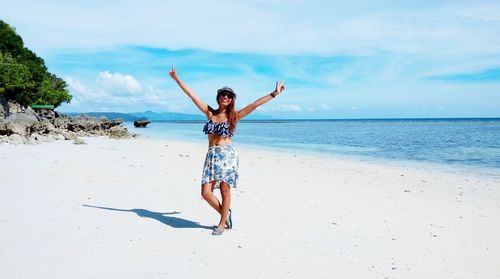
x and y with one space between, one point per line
280 86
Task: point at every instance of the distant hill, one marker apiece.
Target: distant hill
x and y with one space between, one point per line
109 115
158 116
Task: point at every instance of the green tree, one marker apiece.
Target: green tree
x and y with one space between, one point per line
24 76
14 78
53 91
10 42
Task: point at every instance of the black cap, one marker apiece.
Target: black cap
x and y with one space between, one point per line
226 89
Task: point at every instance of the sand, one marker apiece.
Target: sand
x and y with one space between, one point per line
132 209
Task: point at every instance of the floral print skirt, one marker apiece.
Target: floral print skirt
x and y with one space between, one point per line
221 164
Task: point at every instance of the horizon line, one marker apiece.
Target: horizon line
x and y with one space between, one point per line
303 119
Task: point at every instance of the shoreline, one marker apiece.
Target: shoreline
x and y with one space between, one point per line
132 208
426 165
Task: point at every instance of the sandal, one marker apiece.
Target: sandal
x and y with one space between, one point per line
230 220
217 231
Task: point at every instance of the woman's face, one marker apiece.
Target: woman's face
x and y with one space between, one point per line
225 99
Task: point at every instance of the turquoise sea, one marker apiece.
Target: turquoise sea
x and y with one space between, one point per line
458 142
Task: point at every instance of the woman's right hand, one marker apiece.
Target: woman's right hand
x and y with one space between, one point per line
280 87
172 73
202 106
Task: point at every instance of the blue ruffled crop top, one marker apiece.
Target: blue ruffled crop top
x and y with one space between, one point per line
218 128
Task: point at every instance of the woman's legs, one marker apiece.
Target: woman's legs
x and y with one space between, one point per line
207 192
225 192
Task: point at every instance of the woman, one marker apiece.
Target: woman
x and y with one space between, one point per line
221 162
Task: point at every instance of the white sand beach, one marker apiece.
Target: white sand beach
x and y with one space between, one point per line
132 209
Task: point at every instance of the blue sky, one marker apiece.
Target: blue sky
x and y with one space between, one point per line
361 59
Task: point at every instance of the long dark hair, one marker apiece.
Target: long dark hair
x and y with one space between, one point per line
232 116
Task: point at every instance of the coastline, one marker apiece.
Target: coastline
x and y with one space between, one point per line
418 164
94 211
460 145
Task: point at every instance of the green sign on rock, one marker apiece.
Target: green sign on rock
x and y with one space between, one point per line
42 106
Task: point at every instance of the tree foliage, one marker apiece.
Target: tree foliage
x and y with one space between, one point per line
23 75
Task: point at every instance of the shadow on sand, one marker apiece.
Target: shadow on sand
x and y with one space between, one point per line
171 221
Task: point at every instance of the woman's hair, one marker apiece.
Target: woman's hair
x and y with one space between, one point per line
232 115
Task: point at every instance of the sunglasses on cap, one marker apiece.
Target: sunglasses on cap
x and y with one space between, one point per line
226 94
227 91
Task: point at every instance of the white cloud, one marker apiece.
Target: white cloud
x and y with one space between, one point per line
80 92
108 95
324 107
76 86
391 48
290 108
284 107
120 83
321 27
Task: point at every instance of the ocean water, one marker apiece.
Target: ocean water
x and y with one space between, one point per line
461 142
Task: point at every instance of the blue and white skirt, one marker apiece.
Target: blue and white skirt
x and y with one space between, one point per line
221 165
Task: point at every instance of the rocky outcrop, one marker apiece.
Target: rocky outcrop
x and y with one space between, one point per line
20 125
141 123
118 132
2 110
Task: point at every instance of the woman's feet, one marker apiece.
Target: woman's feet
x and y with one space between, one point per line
218 231
229 225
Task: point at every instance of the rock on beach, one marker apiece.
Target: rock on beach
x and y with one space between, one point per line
20 125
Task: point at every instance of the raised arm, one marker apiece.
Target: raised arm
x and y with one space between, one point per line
280 87
202 106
